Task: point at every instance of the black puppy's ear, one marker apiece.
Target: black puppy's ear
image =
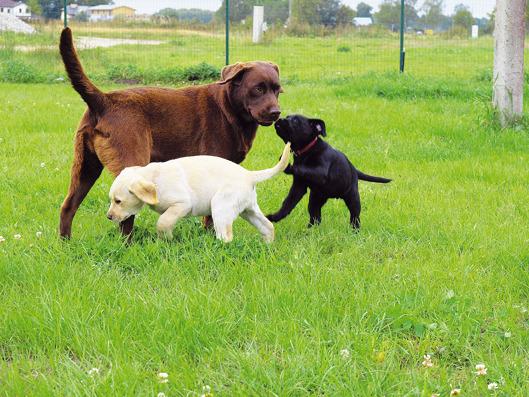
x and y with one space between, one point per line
318 126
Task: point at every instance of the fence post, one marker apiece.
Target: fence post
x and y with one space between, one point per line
65 8
508 77
402 51
227 32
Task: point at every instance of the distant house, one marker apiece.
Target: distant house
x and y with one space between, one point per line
362 21
16 8
109 12
74 10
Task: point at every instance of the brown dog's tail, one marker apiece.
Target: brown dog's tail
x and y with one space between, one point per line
94 98
260 176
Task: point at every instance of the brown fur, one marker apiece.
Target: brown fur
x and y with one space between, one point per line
140 125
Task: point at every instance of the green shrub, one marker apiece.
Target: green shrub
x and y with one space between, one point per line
15 71
131 74
202 71
124 73
344 48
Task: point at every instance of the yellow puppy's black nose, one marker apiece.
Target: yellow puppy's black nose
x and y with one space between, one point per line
109 216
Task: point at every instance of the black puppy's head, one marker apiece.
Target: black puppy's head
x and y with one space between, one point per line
299 130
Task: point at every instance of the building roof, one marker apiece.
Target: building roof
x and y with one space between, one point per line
9 3
361 21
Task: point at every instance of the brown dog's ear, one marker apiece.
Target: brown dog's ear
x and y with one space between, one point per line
274 66
230 72
318 126
145 191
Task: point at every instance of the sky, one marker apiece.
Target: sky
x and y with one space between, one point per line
479 8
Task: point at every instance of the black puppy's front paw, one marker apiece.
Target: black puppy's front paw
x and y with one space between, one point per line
273 218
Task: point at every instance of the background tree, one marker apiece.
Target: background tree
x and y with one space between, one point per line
51 9
389 13
345 15
239 10
316 12
186 14
363 10
35 7
462 17
90 2
491 20
433 13
275 10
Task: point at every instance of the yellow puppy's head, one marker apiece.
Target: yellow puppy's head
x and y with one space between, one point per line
128 194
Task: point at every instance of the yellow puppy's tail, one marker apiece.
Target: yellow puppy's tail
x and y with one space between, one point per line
263 175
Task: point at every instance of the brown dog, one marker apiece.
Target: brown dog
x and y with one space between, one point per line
137 126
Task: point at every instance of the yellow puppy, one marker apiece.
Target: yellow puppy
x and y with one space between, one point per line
197 186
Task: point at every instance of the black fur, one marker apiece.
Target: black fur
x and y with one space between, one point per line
324 170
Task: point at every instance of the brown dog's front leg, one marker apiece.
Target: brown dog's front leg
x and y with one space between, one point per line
207 221
126 227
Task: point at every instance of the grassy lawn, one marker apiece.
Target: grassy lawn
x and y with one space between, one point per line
439 266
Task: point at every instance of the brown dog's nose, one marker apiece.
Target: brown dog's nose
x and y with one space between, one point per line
275 113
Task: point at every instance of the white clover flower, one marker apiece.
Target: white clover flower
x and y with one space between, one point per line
427 361
435 395
455 392
42 165
93 371
161 394
17 236
206 391
163 377
38 234
492 386
449 295
507 334
481 370
345 354
2 239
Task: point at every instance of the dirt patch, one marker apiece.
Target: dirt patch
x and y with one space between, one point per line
86 43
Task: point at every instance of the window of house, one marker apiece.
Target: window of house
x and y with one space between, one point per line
1 10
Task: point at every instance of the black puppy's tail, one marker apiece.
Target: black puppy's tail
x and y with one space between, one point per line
370 178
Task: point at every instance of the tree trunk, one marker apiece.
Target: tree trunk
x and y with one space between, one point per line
508 74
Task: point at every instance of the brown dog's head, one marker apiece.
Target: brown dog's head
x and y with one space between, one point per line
255 88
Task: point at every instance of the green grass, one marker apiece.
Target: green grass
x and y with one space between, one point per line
439 266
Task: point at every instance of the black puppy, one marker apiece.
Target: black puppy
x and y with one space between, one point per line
326 171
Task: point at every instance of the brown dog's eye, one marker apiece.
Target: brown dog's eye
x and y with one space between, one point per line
259 90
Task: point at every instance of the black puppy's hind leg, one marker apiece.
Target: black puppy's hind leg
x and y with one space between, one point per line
352 200
316 202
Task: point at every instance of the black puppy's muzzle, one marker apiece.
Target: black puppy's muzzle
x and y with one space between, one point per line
282 129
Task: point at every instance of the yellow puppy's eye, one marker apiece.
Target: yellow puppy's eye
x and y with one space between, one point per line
117 201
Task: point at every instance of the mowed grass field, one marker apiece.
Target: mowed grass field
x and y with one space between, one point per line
439 268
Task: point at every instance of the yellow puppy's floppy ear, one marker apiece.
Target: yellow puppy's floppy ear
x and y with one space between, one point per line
230 72
145 191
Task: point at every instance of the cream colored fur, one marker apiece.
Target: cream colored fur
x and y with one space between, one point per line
197 186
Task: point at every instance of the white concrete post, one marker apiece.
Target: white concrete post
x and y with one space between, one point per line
258 18
475 31
509 34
